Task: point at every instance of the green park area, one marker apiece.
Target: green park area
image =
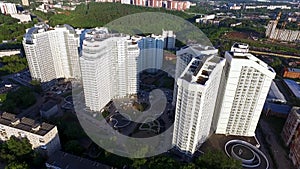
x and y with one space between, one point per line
99 14
12 64
11 30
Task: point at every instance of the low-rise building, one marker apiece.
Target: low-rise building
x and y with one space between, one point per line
49 109
293 86
22 17
291 73
291 135
43 136
8 8
275 109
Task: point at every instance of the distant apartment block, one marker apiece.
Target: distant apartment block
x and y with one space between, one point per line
291 73
8 8
169 39
25 2
42 136
291 135
168 4
281 34
246 85
151 52
235 7
273 7
52 52
197 96
107 0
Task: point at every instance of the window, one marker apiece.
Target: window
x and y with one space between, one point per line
42 140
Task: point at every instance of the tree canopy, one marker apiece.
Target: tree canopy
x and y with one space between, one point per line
14 151
10 29
12 64
21 98
17 153
98 14
217 160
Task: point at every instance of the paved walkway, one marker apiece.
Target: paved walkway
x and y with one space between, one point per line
280 156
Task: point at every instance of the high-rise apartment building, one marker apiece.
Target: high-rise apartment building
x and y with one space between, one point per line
246 85
196 100
52 52
169 39
184 57
109 67
225 96
122 58
151 52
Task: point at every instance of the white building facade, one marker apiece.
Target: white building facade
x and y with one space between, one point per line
43 136
52 53
246 85
151 52
195 104
122 58
8 8
117 75
169 39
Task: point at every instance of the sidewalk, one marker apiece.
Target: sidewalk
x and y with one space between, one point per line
279 154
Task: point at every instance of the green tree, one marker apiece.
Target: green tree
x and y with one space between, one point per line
16 165
37 87
162 162
12 64
139 162
19 147
217 160
15 149
21 98
73 147
188 166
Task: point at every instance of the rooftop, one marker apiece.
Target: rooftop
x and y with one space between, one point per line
42 27
275 94
294 87
294 70
278 108
25 124
249 56
48 105
198 71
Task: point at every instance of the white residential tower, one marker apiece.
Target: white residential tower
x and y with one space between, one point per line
196 100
